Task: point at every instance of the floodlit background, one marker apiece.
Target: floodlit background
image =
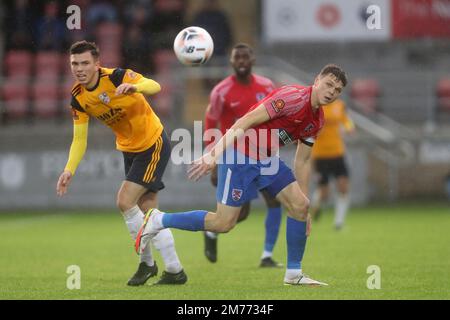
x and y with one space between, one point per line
396 54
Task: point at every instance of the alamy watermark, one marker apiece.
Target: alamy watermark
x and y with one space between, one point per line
252 146
74 279
73 22
373 20
374 280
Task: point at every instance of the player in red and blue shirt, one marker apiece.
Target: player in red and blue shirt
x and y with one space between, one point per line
288 114
231 99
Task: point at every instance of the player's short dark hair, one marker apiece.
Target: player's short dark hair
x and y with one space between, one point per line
84 46
336 71
242 45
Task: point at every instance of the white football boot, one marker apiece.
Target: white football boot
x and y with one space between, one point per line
302 279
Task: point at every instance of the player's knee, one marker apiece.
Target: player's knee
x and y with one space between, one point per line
123 203
225 227
299 208
224 224
243 214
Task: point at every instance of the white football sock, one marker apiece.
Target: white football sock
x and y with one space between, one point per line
165 244
211 235
292 273
342 204
134 219
266 254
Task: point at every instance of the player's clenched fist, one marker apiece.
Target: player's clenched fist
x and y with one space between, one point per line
125 88
63 183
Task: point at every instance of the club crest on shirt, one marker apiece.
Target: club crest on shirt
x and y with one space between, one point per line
104 98
260 96
236 194
277 105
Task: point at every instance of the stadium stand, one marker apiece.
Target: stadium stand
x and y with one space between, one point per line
366 93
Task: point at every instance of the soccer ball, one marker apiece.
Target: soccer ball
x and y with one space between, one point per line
193 46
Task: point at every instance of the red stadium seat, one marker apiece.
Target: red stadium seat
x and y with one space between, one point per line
163 101
15 96
365 93
16 109
163 60
45 108
108 29
443 94
48 64
45 99
65 91
44 90
66 68
110 59
18 64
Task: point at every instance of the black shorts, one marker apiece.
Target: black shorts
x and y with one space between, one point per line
327 168
147 167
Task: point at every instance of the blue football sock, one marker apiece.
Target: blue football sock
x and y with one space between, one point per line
296 242
273 221
191 220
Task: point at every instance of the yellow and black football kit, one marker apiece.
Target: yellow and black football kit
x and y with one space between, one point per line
139 132
329 148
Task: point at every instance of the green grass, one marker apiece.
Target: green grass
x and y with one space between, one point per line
411 245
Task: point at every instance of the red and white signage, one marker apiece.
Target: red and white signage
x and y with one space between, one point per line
420 18
328 20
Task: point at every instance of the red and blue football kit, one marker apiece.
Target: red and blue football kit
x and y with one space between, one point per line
291 118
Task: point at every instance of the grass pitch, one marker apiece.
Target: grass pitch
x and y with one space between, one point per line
410 244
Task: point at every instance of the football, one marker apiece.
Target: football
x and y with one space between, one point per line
193 46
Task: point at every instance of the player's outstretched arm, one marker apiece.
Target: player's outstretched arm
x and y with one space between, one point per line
207 162
144 85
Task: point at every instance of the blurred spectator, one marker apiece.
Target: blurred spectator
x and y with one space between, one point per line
137 46
168 20
18 25
137 50
101 11
214 19
51 29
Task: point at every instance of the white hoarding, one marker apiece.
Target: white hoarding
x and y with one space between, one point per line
326 20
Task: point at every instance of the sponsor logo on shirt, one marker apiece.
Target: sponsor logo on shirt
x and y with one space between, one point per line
278 105
285 138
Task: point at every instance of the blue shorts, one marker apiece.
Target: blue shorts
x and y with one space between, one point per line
238 183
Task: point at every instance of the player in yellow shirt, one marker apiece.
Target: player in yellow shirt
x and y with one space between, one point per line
116 98
328 156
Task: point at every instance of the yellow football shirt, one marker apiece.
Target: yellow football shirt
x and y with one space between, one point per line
329 142
131 118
